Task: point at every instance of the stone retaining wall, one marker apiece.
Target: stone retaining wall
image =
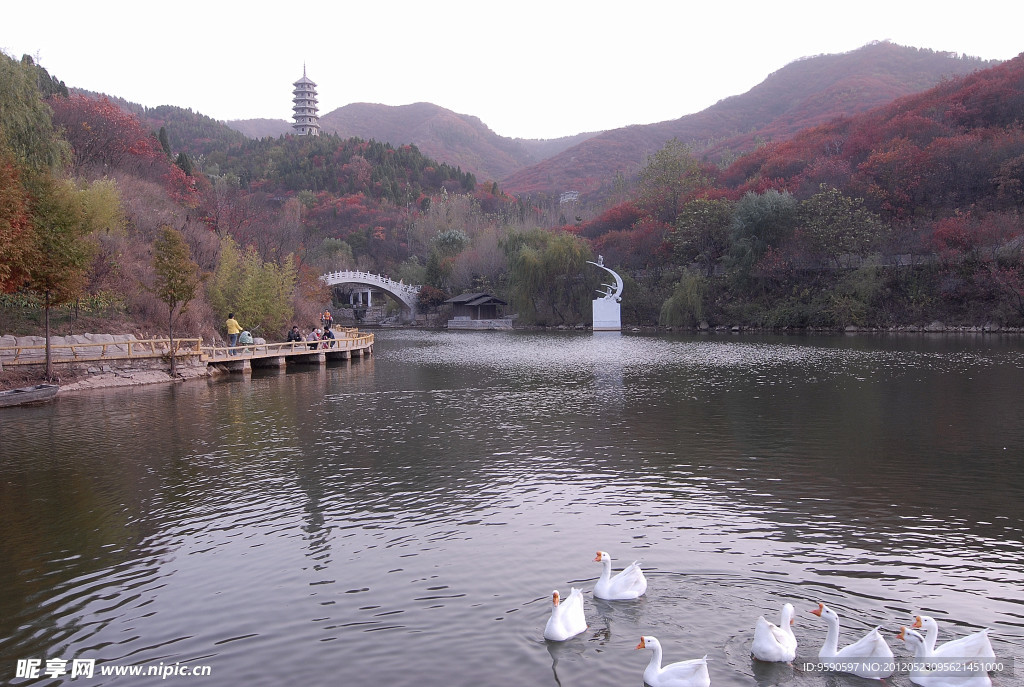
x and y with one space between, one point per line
58 345
145 367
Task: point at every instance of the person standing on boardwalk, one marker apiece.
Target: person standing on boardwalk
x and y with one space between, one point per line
234 329
327 320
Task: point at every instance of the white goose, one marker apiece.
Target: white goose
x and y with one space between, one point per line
567 619
975 645
628 584
922 674
775 643
693 673
868 657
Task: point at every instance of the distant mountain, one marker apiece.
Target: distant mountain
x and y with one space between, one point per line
460 140
261 128
805 93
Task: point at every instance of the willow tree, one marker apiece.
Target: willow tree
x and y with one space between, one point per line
177 279
685 307
31 150
26 126
547 276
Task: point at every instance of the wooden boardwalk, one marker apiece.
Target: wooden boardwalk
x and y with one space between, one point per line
349 343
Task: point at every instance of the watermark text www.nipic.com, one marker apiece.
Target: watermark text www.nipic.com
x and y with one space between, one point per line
32 668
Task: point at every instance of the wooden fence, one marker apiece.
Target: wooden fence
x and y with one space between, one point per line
99 351
346 339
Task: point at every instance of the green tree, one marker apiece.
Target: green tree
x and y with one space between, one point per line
61 249
760 223
259 293
26 128
100 205
669 176
833 225
165 143
444 248
48 85
547 282
701 233
177 279
685 307
223 286
185 163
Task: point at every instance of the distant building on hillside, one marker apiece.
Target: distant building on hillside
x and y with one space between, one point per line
307 121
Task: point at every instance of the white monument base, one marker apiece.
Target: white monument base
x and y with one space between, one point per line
607 317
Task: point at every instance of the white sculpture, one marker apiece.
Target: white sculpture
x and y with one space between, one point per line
607 311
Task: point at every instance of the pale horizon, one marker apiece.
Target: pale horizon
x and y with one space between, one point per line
535 71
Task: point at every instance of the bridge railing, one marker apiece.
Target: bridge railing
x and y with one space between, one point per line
368 277
345 339
106 350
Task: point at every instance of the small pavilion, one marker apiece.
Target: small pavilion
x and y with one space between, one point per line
478 311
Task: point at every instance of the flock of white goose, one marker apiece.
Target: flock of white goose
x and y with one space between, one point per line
870 656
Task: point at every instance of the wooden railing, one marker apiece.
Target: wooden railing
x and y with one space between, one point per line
104 350
346 339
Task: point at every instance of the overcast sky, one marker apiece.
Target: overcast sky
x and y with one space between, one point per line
526 68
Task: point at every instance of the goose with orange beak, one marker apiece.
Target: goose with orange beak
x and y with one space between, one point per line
868 657
975 645
772 642
692 673
928 672
630 583
567 618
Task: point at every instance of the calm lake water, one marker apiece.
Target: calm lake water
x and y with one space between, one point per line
403 519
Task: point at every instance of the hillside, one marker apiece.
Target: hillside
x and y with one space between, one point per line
802 94
951 151
260 128
187 131
459 140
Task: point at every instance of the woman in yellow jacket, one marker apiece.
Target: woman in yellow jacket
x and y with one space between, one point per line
234 329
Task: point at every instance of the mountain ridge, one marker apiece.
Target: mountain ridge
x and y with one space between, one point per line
804 93
458 139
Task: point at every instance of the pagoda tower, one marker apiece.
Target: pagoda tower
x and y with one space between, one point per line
307 122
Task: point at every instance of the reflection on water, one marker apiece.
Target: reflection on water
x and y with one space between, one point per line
403 519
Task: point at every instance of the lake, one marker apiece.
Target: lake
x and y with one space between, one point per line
403 519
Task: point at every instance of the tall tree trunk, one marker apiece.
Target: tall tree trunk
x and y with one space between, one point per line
170 336
46 319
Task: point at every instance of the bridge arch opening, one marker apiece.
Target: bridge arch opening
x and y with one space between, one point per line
364 290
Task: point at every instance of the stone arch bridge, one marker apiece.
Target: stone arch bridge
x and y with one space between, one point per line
406 294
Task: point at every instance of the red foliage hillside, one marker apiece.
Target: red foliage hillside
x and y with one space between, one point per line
956 146
803 94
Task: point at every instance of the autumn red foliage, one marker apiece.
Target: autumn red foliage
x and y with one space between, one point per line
15 225
104 137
